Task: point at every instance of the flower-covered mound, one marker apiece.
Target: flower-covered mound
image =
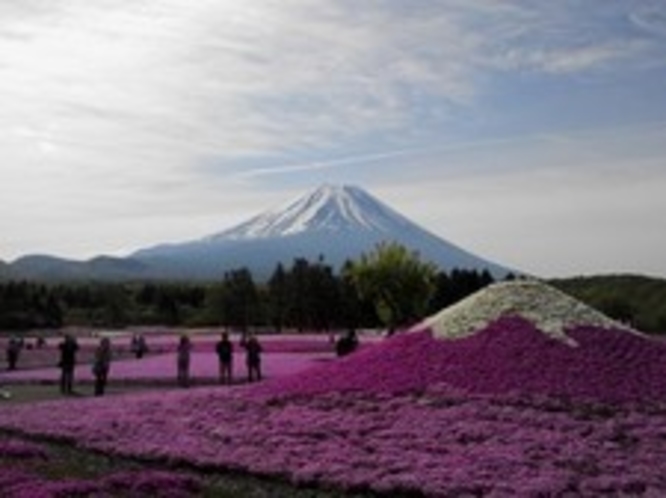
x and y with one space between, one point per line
549 309
508 355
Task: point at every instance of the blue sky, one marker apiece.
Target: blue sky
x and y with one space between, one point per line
530 132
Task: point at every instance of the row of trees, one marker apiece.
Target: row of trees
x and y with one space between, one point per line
634 299
389 287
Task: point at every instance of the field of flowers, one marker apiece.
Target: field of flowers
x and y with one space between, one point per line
508 411
283 355
161 369
26 467
33 469
508 355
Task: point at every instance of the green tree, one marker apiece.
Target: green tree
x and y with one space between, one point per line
277 297
397 282
240 298
298 295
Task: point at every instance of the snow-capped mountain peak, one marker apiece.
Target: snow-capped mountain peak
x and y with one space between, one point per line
330 208
336 223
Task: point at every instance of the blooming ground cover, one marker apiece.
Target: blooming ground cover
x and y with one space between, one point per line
162 369
547 308
26 467
39 470
508 355
440 442
508 411
160 342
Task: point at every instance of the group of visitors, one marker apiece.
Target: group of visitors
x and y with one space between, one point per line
225 354
16 344
224 349
100 366
102 360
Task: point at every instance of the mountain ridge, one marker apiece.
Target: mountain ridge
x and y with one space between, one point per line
335 223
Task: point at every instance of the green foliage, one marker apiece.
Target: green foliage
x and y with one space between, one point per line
638 300
305 296
451 288
25 305
398 283
240 298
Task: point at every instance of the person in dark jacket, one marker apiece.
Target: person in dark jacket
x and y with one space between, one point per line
13 351
139 345
253 358
68 348
225 355
347 344
184 353
101 365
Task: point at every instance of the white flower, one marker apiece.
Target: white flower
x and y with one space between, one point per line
549 309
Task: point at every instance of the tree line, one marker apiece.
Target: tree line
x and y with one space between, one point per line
388 288
637 300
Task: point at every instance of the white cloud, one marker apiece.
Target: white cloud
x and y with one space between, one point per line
552 205
127 122
573 59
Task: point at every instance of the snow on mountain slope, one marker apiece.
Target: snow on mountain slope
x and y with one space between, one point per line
328 208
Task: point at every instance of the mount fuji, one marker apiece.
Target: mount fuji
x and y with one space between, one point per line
332 223
336 223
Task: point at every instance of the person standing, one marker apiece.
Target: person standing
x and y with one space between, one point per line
101 365
13 350
139 346
347 344
68 348
184 353
253 358
225 355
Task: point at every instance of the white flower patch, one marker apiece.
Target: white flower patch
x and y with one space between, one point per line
549 309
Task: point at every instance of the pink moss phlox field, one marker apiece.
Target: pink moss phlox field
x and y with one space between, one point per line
18 449
509 355
273 343
284 354
137 484
439 442
19 479
161 368
507 412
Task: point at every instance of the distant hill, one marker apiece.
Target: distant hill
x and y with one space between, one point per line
50 268
334 223
638 299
